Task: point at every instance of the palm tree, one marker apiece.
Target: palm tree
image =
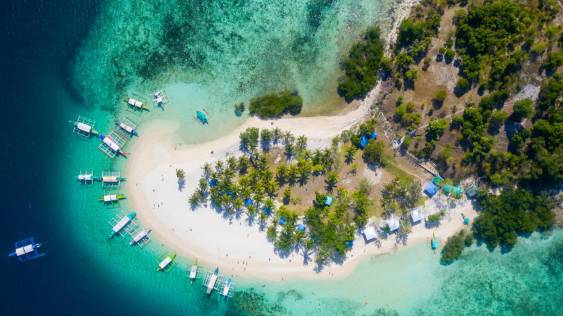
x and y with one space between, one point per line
331 180
350 153
276 135
207 170
301 143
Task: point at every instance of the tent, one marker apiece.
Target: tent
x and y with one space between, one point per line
415 215
282 221
369 234
363 142
267 210
328 201
301 227
471 192
373 135
393 224
248 202
430 189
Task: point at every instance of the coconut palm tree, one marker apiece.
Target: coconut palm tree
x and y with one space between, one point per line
331 180
350 153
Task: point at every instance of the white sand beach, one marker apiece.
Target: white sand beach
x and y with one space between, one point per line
236 247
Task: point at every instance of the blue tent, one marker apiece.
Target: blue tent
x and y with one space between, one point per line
267 210
301 227
430 189
466 221
248 202
213 182
373 135
363 142
328 201
282 221
349 244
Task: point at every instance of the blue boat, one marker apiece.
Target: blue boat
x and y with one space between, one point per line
202 117
27 249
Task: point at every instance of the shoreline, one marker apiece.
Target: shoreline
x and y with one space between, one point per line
236 247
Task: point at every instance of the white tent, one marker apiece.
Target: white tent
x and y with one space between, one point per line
369 233
393 224
416 215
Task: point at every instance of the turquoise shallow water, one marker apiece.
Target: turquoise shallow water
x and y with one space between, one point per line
236 49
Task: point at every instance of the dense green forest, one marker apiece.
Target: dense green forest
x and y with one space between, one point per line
496 47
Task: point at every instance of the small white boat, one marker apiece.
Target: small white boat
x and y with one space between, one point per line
123 222
164 265
158 98
212 281
127 128
193 272
226 287
140 236
135 103
86 177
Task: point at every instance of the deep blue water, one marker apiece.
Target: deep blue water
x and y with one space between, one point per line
38 39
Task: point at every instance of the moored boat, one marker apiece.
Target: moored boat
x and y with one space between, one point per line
165 264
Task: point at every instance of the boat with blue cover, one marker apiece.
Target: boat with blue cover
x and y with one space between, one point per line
202 117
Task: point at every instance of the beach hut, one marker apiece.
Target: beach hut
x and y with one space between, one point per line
282 221
393 224
437 180
248 202
328 201
430 189
301 227
447 189
363 142
373 135
369 234
416 215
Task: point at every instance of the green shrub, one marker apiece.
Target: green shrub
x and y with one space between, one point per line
522 109
276 104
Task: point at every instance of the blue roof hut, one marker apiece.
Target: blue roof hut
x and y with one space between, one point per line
430 189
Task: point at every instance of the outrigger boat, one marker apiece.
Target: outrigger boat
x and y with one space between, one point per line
193 272
212 281
111 198
85 177
202 117
112 145
159 98
435 243
122 223
26 249
142 235
84 126
165 264
136 104
226 287
111 179
128 128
